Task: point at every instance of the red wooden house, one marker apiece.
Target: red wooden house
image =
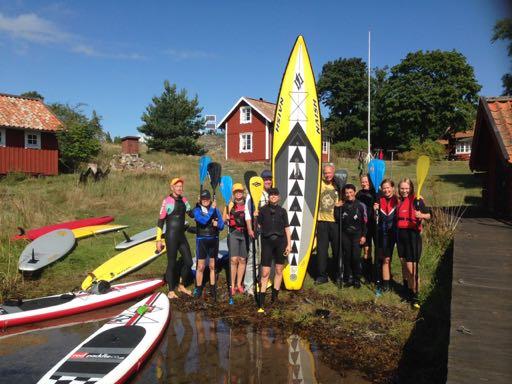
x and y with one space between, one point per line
249 126
28 141
492 153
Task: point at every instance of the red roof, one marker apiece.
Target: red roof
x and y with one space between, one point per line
501 111
464 135
267 108
27 113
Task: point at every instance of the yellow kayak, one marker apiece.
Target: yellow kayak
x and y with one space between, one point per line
92 230
123 263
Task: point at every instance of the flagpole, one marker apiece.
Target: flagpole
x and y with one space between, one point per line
369 105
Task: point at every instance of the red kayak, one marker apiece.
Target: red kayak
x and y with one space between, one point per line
33 234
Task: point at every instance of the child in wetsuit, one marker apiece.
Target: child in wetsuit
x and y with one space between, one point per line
275 243
208 224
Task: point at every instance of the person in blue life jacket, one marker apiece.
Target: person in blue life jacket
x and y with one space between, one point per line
209 223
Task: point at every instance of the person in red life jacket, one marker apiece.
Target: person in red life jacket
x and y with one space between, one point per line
275 243
354 216
367 196
411 212
208 224
238 237
387 207
172 213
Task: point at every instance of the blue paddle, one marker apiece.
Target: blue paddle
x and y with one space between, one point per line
376 171
226 185
203 170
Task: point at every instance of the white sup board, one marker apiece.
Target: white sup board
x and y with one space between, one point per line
52 307
141 237
118 349
46 249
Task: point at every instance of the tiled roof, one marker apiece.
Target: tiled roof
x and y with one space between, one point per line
464 135
501 111
267 108
27 113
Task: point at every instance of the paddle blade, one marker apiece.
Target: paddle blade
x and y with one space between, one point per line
203 168
340 177
226 185
422 167
256 190
247 178
376 170
214 172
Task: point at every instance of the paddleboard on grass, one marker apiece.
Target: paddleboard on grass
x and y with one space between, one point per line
46 249
118 349
297 158
141 237
17 312
123 263
93 230
33 234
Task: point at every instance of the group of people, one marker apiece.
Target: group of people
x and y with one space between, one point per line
351 222
260 232
366 221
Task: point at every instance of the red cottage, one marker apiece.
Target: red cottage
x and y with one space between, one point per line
28 141
249 126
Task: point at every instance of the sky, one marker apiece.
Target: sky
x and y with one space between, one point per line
113 56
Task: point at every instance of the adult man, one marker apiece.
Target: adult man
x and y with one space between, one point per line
327 231
266 175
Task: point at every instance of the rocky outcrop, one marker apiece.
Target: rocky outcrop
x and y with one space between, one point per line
132 162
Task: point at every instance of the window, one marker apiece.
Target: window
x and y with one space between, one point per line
33 140
2 137
245 115
245 142
462 148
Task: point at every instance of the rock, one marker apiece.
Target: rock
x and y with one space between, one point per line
132 162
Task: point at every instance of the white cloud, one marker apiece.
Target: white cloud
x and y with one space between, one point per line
31 27
189 55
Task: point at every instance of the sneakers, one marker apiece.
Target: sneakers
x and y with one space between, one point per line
240 289
197 292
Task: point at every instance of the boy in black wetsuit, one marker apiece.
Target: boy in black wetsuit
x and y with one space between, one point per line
208 223
275 243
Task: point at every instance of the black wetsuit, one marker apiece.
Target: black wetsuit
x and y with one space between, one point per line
368 198
273 220
354 227
173 214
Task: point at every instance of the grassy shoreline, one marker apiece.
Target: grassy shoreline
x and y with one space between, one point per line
360 326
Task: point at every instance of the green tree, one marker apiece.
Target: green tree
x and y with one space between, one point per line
79 142
172 122
342 88
503 31
108 138
426 94
32 94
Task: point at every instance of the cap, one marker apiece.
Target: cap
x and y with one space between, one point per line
176 180
273 191
237 187
266 174
205 194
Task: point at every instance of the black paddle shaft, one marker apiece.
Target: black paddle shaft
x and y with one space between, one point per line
340 179
214 170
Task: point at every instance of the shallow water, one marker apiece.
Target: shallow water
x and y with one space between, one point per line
194 349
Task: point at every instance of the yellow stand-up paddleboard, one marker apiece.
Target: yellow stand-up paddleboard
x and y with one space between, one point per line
123 263
92 230
297 158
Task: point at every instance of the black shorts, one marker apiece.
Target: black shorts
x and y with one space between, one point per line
272 248
387 242
207 247
409 245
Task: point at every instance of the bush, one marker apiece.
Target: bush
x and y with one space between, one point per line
350 148
430 148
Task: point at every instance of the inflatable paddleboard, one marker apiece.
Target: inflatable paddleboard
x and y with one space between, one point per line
93 230
297 157
33 234
118 349
123 263
301 360
52 307
141 237
46 249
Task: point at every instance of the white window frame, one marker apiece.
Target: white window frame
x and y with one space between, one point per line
242 147
462 148
38 138
3 137
243 112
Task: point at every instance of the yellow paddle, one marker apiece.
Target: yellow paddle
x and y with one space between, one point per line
256 190
422 167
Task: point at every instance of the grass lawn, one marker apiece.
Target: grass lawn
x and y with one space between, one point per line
134 199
